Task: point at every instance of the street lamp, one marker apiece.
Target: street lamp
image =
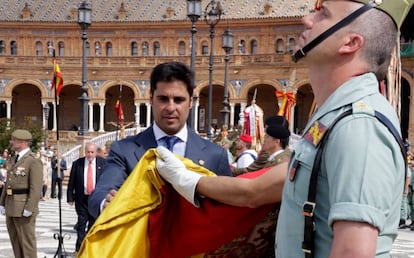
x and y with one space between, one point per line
193 13
212 18
46 110
227 45
84 21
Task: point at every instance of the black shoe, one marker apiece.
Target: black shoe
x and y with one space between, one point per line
402 224
412 227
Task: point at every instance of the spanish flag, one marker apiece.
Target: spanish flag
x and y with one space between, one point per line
119 111
57 79
148 219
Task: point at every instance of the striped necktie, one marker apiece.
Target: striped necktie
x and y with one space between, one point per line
170 141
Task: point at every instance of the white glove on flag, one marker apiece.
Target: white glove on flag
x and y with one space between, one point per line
173 170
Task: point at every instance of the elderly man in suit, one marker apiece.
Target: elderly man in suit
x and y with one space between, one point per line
171 94
20 199
84 175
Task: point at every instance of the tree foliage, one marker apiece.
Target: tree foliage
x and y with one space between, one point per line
7 127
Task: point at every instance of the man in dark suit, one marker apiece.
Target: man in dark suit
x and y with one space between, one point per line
20 199
171 94
57 179
84 175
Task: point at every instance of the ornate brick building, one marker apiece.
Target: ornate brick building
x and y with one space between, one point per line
128 38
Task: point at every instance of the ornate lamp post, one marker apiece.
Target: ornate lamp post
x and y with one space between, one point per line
212 18
227 45
193 13
46 110
84 21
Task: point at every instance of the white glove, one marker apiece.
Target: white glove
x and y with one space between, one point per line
27 213
173 170
2 210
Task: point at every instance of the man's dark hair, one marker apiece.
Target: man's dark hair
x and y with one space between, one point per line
172 71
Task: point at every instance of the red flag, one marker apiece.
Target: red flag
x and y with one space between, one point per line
57 79
119 111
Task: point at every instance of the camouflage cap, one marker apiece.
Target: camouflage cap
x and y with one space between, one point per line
22 134
397 9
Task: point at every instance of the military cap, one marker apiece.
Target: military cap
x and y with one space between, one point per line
396 9
276 120
22 134
278 131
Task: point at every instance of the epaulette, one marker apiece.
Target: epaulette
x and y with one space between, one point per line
361 107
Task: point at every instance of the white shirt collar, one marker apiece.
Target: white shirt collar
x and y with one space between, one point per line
21 153
274 154
182 134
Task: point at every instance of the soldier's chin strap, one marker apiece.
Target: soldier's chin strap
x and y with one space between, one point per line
345 21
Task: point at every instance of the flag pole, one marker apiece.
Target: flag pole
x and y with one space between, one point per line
119 110
58 236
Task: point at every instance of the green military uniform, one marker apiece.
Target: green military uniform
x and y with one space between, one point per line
21 196
263 162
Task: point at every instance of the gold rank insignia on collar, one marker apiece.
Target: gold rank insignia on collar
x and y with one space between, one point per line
315 133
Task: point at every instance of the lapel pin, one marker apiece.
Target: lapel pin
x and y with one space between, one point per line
201 162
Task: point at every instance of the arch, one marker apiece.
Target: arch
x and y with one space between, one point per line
17 82
108 84
251 84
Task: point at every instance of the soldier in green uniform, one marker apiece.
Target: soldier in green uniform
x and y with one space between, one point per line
342 199
20 198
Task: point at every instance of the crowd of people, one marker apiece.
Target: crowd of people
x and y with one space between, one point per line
337 187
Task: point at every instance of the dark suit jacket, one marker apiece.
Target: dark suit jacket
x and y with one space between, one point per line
76 189
125 154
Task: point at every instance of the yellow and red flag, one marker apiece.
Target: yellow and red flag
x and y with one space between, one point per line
57 79
119 111
148 219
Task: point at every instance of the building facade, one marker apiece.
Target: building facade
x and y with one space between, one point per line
128 38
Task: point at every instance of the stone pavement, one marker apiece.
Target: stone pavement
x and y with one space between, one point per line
48 225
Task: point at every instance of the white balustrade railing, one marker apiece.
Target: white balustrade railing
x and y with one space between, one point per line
73 154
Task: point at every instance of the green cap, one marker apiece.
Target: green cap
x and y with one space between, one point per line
396 9
22 135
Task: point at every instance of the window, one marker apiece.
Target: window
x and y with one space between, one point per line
145 49
292 44
181 48
39 46
134 48
13 48
87 51
50 48
61 48
157 49
108 49
279 46
204 49
253 47
242 47
2 47
97 48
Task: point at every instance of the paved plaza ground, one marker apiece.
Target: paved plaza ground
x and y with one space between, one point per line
48 225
